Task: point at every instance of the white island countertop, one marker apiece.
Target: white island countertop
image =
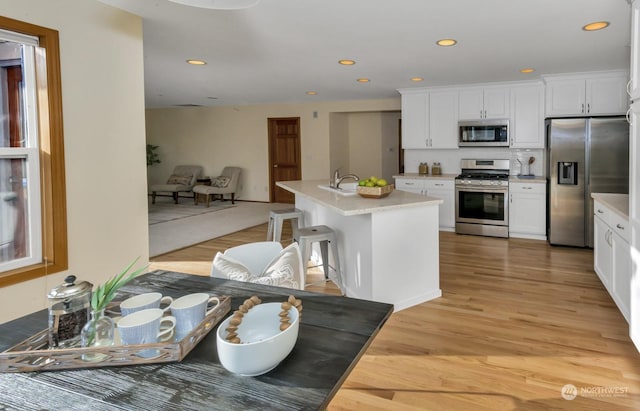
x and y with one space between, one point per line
348 205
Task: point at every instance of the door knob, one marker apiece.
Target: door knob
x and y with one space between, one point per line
275 166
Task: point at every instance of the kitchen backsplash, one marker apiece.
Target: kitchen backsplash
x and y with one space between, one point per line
450 159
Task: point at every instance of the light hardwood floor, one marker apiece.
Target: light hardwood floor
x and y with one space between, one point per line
517 321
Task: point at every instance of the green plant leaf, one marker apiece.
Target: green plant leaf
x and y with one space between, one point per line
104 293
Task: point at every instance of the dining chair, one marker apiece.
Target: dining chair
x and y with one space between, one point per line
263 262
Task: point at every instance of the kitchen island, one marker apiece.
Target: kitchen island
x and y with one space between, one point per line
389 247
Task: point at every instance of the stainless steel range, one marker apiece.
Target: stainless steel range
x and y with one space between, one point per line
482 193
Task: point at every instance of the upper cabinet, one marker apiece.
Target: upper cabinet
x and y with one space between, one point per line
429 119
483 102
634 84
443 119
415 111
526 129
586 94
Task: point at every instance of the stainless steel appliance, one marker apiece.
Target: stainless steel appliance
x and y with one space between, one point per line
483 133
584 156
482 192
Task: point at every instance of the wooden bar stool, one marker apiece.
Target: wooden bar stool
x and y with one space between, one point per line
276 219
324 235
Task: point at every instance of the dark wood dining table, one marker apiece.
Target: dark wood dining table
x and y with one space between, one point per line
334 333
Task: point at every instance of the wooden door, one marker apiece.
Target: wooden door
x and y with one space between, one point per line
284 156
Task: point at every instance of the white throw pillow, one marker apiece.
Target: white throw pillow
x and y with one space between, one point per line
226 267
285 270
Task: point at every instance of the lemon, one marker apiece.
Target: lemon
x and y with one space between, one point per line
381 183
362 183
370 184
373 179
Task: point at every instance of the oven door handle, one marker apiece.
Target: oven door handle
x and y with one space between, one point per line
483 189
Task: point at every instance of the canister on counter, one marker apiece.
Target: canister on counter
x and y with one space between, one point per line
423 168
69 306
436 170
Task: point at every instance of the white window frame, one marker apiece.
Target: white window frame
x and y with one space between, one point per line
30 153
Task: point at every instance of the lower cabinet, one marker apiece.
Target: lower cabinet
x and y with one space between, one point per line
528 210
612 255
440 188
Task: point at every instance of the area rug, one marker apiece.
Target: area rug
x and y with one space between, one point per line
161 212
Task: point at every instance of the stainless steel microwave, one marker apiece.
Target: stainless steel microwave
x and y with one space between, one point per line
483 133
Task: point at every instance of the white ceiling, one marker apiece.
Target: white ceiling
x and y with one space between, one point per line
279 49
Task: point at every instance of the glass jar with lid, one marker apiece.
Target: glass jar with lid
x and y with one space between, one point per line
69 307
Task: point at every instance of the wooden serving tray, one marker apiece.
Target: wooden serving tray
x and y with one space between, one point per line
33 353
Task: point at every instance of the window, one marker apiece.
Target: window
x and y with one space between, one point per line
33 238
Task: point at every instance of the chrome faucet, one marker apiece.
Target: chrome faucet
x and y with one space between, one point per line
337 179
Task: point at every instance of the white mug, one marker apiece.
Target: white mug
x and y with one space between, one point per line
144 301
144 327
190 310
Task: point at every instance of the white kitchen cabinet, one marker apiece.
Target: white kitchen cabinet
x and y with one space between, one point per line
443 119
440 188
526 128
586 95
612 255
621 270
527 210
446 191
415 111
633 116
484 102
602 251
412 185
634 86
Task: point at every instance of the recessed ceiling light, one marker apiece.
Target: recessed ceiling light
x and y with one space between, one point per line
196 62
527 70
598 25
363 80
446 42
416 79
312 93
347 62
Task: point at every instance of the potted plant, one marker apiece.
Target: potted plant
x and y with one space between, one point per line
99 330
152 156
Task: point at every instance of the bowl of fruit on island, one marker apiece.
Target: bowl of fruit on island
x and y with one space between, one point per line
374 187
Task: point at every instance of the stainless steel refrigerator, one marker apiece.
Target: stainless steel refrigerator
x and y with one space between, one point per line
584 156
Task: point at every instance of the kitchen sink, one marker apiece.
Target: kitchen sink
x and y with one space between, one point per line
346 189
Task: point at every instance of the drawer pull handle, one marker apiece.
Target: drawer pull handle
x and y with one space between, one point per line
619 227
600 211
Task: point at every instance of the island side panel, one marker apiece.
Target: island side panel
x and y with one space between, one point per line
405 256
354 244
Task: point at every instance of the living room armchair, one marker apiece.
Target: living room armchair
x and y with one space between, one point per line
226 183
182 179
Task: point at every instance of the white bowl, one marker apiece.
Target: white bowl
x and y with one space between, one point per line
263 345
